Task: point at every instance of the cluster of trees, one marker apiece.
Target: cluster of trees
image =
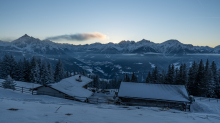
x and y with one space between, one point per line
104 84
34 71
200 79
111 84
133 78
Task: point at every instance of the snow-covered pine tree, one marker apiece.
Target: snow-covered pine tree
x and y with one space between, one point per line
217 88
35 71
210 87
51 73
127 78
44 75
6 66
1 72
27 70
176 74
208 80
96 81
155 76
200 84
148 79
13 65
59 72
185 75
133 78
170 75
20 73
215 78
114 84
103 84
9 83
16 72
40 64
191 84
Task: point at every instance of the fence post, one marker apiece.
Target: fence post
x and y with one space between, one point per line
22 89
32 92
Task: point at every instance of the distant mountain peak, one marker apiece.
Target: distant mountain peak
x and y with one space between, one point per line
25 35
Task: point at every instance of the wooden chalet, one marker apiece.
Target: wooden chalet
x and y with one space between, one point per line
160 95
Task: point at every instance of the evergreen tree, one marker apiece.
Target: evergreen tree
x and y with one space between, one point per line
59 72
9 83
148 79
13 66
35 71
1 71
133 78
114 84
215 78
27 70
217 86
126 79
191 85
96 81
40 64
170 75
6 66
208 81
185 75
210 87
176 75
155 75
51 73
17 71
200 84
45 79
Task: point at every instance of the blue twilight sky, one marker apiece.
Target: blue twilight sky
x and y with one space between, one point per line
194 22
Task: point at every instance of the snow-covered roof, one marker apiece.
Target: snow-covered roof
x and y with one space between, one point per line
72 87
153 91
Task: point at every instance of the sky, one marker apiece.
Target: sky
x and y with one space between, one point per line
194 22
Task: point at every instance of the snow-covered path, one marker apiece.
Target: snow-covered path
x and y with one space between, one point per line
41 109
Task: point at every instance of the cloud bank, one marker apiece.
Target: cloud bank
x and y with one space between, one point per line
79 37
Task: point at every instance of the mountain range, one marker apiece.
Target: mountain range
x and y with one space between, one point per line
170 47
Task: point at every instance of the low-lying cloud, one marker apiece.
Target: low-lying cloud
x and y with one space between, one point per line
79 37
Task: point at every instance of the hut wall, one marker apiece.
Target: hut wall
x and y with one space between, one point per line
49 91
152 103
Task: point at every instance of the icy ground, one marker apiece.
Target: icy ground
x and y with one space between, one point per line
42 109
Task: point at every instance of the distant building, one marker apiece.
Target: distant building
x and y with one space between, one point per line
161 95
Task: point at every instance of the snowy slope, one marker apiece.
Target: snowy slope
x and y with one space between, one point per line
42 109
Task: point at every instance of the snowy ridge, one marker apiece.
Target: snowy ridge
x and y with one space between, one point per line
31 44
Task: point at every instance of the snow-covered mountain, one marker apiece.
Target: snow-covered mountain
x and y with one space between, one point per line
33 45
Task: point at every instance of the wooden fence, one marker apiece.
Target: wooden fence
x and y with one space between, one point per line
21 89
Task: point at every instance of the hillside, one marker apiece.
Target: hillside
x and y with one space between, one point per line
43 109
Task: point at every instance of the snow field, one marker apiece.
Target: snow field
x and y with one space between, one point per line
41 109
